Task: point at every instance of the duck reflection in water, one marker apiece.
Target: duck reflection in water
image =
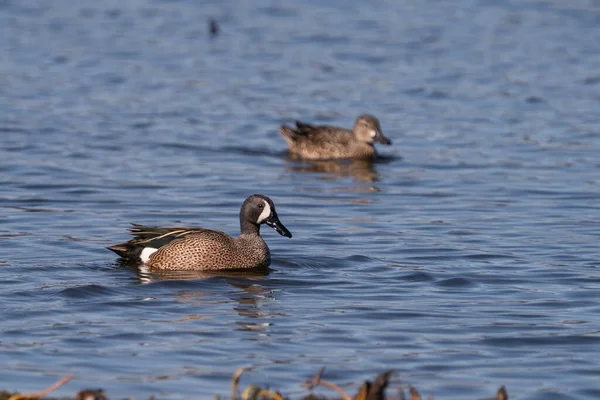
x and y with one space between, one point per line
246 297
363 170
148 275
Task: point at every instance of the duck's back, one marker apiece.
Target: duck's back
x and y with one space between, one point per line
324 142
211 250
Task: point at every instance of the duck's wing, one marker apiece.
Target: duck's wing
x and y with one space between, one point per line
305 129
322 135
150 236
315 133
301 131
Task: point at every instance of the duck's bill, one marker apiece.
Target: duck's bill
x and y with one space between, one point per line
382 139
276 224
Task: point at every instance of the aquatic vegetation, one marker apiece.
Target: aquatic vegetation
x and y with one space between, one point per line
369 390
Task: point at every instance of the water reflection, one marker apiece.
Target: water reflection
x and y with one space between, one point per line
360 169
147 275
246 299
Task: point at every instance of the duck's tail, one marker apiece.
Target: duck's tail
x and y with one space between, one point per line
128 251
288 134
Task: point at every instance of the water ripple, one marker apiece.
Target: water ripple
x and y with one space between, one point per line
472 239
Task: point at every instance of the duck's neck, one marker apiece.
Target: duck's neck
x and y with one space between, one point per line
248 228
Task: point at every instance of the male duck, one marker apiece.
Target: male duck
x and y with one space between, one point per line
178 248
326 142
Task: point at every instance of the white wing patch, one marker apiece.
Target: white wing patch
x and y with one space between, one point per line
265 214
146 253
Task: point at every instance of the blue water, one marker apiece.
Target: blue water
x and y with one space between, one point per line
466 258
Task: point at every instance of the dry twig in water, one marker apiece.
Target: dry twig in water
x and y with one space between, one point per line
316 381
414 394
37 395
235 381
374 390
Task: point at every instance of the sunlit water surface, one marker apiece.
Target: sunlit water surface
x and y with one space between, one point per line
466 258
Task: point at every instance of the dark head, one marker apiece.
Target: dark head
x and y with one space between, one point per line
367 129
259 209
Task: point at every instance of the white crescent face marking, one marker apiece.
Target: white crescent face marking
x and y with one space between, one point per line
373 133
266 213
146 253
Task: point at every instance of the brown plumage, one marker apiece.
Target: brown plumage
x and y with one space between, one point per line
180 248
325 141
502 394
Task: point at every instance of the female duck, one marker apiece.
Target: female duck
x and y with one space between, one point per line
315 142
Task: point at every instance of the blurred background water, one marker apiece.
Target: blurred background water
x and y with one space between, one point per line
465 259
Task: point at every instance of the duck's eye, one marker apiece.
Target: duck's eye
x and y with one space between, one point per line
261 205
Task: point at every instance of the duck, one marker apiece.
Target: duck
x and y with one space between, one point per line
200 249
318 142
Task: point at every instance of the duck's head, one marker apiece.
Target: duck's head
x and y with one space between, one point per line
367 129
259 209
